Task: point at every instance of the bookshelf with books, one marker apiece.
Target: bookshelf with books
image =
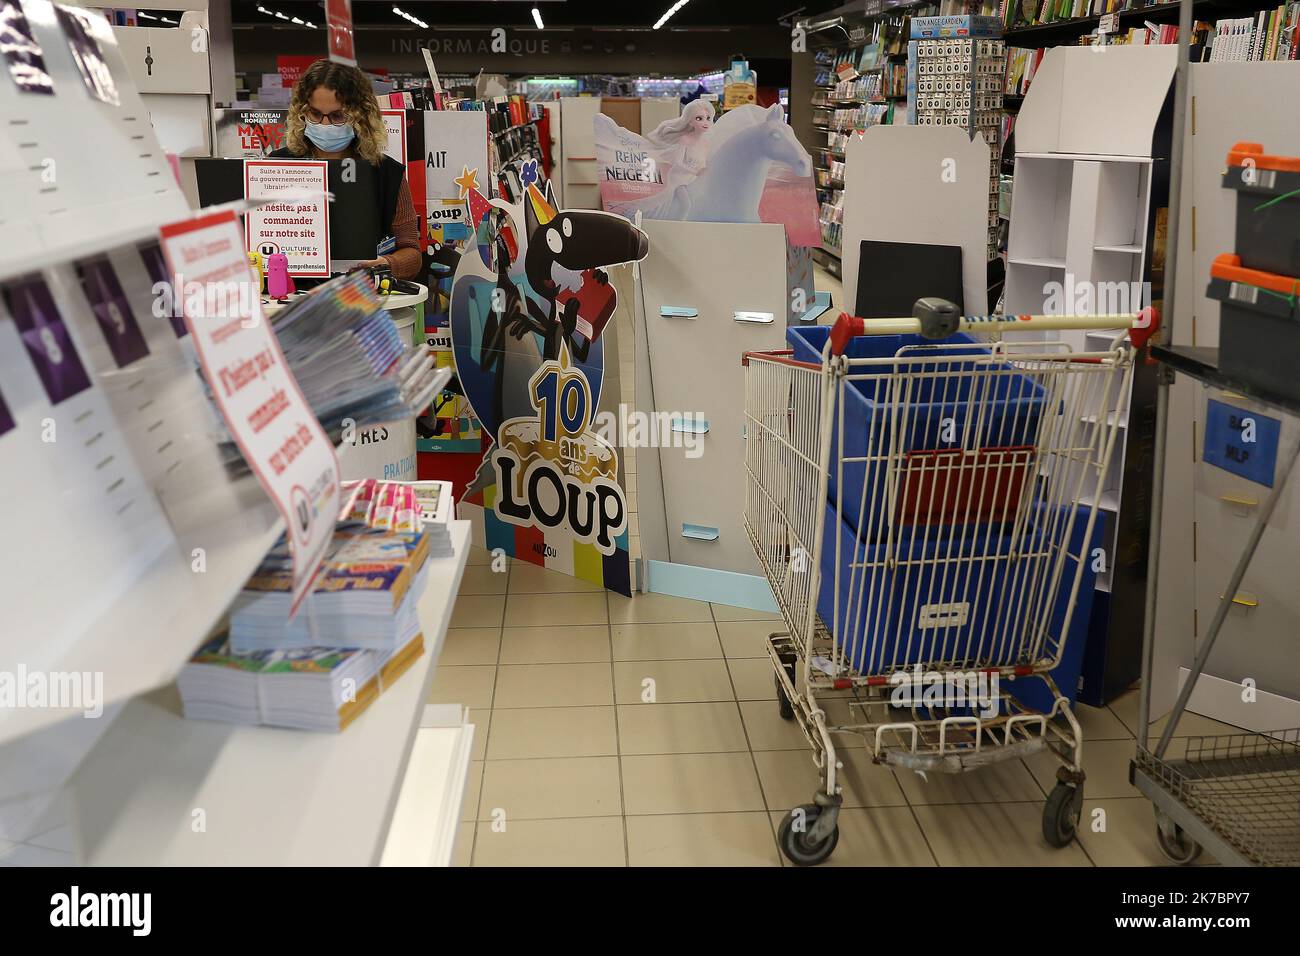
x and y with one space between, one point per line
1047 23
1265 35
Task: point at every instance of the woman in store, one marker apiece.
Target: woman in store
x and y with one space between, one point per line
333 114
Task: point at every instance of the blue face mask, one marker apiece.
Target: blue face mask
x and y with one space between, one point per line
331 139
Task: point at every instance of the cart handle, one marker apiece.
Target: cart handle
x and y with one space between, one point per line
780 356
932 320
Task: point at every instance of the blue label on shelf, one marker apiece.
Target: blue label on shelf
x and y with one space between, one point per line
1241 442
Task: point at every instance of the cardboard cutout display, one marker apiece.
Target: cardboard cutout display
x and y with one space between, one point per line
747 166
527 312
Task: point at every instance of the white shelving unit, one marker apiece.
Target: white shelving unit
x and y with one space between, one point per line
1080 225
128 539
281 797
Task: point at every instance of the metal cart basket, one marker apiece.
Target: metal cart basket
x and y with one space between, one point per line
924 511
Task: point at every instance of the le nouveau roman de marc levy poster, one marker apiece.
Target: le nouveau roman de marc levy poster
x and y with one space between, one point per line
529 305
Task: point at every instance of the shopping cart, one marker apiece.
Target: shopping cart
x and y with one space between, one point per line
924 512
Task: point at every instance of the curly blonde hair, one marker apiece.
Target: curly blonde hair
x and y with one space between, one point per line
352 87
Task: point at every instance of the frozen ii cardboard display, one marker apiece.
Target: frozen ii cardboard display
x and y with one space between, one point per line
528 309
746 166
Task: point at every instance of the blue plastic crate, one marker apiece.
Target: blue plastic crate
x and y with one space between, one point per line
892 637
1010 411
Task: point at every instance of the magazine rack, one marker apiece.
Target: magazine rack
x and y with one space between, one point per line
127 538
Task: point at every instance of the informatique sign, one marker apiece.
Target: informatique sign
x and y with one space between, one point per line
298 225
265 411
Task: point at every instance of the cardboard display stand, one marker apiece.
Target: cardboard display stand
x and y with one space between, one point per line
921 184
693 326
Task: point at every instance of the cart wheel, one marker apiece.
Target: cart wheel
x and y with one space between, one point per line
1061 814
796 846
787 709
1174 842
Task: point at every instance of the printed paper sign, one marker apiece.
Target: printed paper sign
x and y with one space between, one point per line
21 51
526 324
112 311
395 124
297 227
6 416
748 166
156 266
85 31
338 17
49 345
260 401
456 155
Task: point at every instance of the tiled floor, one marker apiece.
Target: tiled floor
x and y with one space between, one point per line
644 731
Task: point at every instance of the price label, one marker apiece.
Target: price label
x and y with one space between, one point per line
1109 23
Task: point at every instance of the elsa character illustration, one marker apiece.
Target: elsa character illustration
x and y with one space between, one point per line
680 143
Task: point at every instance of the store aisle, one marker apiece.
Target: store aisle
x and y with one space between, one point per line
823 281
572 767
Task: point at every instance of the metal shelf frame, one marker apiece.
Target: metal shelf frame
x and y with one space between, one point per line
1201 795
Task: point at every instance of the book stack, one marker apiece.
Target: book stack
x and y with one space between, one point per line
364 596
356 633
306 689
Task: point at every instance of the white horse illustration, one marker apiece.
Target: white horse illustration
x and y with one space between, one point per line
742 145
